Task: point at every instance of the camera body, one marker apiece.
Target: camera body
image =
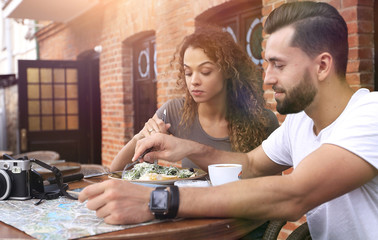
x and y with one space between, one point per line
15 179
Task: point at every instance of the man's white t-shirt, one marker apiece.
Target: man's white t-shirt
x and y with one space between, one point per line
353 215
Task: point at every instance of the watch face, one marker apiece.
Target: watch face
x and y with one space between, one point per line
159 200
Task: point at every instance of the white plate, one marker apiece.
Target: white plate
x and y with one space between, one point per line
199 174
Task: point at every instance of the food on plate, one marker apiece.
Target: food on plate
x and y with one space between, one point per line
154 172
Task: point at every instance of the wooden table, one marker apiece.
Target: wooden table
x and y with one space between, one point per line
181 229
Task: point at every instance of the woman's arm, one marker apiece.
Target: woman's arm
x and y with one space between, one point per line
124 156
152 126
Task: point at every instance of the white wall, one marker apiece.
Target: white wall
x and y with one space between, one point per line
3 124
14 45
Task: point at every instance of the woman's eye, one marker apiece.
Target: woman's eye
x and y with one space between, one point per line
188 74
206 73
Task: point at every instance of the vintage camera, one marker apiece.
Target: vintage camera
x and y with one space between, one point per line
17 179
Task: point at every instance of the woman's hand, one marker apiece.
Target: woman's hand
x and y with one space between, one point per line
152 126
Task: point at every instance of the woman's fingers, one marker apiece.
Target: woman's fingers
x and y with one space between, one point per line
154 125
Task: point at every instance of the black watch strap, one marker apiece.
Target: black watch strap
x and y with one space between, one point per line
175 201
174 197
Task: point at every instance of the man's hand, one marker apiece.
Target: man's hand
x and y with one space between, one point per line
165 147
118 202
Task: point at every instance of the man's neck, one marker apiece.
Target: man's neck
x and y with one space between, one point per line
329 104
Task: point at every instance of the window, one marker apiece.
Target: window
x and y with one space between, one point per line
52 99
244 23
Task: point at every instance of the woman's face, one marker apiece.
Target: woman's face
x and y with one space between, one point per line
204 79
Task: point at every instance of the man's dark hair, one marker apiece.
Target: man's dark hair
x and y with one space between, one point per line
318 28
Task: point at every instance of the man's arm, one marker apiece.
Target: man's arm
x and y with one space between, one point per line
328 172
255 163
325 174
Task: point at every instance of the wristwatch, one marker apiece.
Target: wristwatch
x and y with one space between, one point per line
163 203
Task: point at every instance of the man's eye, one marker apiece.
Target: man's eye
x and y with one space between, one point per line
279 66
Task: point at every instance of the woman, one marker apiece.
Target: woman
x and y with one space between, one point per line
223 105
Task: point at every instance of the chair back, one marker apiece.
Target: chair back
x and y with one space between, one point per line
40 155
273 229
300 233
88 169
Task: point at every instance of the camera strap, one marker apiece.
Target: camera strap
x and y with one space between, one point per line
50 192
59 180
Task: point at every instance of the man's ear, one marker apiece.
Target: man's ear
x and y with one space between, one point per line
324 65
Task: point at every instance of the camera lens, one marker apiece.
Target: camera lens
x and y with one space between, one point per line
5 185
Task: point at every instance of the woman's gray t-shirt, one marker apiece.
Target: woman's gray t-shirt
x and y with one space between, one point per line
195 131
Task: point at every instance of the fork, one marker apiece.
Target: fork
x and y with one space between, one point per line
145 152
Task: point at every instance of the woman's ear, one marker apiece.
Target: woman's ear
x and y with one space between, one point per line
324 65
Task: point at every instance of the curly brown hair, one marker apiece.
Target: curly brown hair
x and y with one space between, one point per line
245 110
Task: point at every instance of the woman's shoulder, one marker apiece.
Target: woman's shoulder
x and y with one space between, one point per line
173 109
272 121
271 115
176 102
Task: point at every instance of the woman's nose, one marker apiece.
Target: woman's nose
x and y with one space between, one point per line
196 80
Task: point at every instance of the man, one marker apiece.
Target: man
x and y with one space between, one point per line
330 137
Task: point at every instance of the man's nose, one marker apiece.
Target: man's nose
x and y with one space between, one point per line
270 78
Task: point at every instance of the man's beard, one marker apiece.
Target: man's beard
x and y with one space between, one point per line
298 98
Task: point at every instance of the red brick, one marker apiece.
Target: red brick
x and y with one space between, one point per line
353 66
366 40
364 53
365 27
350 3
367 78
266 10
353 78
365 14
335 3
360 66
353 40
349 14
352 27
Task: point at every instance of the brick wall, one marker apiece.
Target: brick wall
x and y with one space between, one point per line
115 24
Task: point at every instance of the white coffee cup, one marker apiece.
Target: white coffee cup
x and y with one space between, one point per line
224 173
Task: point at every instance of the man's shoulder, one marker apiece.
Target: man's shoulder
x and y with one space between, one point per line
364 94
364 99
370 97
300 117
